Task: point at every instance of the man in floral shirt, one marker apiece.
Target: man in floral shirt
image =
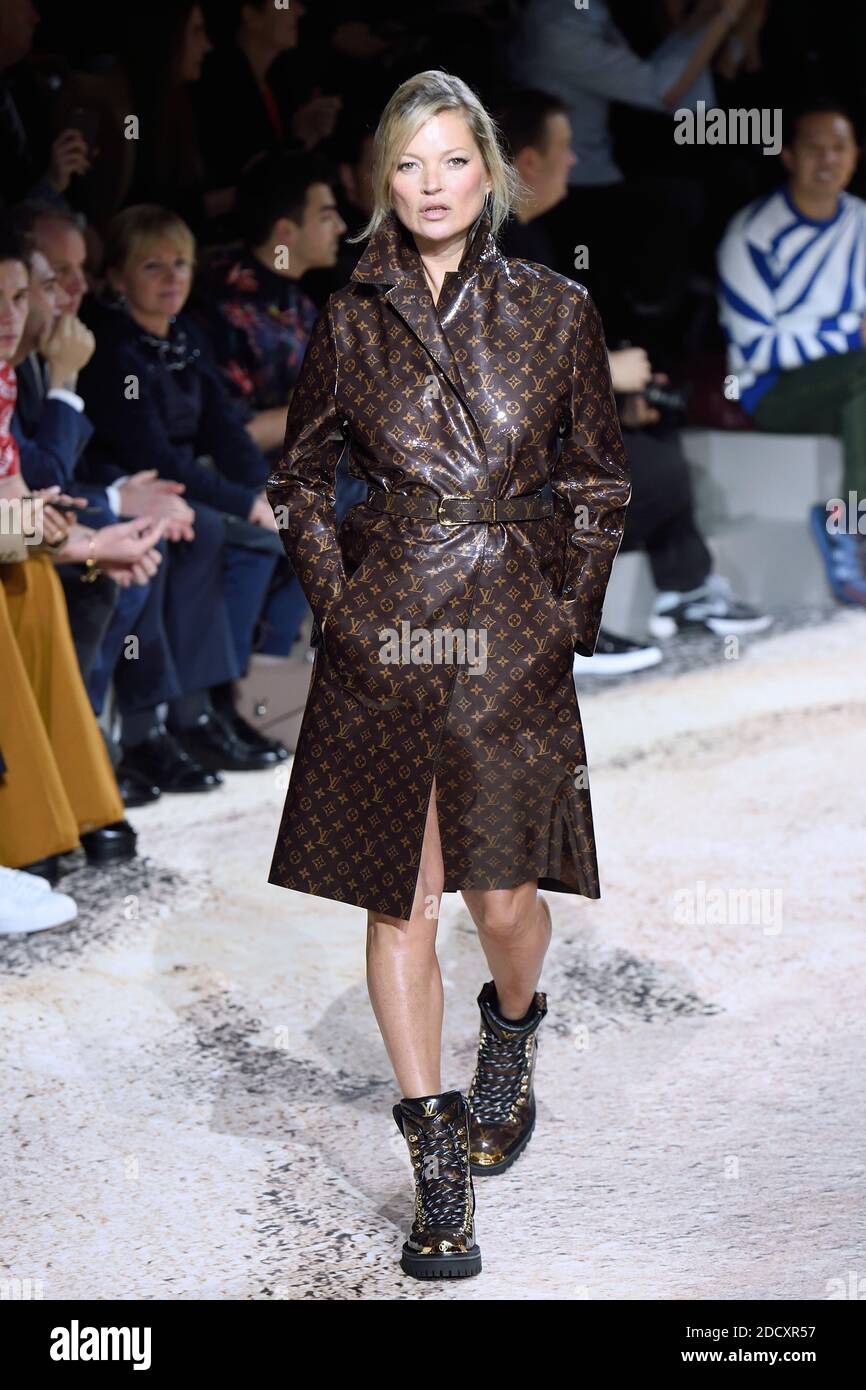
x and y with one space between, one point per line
259 322
249 299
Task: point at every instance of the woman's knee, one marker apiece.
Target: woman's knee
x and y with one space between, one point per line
504 912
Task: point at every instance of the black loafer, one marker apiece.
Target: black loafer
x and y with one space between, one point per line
110 843
43 868
212 742
248 733
162 761
137 790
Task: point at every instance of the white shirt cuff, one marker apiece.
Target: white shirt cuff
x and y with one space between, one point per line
113 494
58 393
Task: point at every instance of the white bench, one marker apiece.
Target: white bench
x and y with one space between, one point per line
752 494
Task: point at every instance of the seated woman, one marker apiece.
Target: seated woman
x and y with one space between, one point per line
156 401
57 789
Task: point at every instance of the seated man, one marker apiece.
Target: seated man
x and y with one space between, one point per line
175 662
250 300
259 320
51 430
792 268
660 516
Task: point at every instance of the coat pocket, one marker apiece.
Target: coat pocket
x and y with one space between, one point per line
341 608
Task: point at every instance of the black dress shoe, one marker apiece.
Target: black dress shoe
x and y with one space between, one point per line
248 733
137 790
162 761
110 843
44 868
212 741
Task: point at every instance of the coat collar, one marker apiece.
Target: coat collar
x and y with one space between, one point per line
391 256
392 262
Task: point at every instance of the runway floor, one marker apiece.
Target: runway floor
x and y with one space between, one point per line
197 1100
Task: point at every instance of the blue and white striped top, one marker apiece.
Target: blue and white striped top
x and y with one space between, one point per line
792 289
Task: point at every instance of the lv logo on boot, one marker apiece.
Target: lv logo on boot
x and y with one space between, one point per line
441 1243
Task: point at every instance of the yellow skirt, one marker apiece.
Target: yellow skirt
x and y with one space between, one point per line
58 782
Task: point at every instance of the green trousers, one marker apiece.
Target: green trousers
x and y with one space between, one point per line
823 397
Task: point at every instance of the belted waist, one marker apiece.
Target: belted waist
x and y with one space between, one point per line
455 509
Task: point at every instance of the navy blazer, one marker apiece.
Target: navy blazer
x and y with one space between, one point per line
160 403
51 435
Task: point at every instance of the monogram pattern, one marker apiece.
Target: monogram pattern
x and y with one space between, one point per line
497 389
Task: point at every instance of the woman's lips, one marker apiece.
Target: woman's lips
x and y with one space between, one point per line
434 214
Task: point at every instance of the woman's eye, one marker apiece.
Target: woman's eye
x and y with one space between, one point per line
455 158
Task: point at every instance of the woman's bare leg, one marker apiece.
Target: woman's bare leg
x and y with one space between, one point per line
403 976
514 929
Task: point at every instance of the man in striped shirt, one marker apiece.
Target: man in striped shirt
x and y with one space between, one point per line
792 269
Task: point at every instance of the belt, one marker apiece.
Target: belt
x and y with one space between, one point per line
455 509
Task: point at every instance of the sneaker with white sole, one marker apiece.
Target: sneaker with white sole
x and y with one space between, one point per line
713 606
615 656
29 903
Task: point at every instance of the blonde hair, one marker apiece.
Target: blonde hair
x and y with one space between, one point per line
413 103
137 230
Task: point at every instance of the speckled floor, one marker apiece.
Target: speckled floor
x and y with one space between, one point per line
197 1099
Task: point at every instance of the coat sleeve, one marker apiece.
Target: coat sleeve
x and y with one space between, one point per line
593 480
301 490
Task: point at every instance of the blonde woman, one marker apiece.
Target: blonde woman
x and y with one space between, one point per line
441 748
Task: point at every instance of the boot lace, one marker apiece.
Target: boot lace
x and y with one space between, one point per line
501 1067
441 1173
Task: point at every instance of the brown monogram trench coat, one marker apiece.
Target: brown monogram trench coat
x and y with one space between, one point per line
498 388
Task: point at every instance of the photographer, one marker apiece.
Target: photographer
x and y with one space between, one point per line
660 516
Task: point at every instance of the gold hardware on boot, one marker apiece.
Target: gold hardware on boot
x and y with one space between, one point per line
441 1243
501 1098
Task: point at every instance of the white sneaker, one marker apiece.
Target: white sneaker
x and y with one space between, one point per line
29 903
713 605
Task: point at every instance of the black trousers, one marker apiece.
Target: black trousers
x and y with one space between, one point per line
660 516
90 607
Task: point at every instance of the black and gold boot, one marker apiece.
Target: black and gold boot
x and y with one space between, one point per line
441 1244
501 1099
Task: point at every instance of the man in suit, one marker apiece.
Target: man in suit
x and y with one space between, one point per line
174 660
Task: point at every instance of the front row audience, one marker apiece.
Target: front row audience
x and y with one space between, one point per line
138 426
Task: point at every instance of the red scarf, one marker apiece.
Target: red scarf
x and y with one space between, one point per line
9 460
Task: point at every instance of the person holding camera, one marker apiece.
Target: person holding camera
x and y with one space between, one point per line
660 517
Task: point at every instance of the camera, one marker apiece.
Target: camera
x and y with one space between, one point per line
672 401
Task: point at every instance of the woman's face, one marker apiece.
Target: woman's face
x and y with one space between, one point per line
195 45
14 286
440 181
156 284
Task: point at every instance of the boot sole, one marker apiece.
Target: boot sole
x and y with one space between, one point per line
441 1266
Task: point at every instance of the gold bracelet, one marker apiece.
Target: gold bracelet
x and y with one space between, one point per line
91 568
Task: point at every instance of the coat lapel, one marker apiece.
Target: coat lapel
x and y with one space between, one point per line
391 261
